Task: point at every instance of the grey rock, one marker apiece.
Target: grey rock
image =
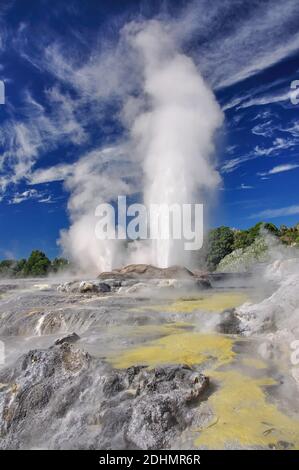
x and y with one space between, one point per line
85 287
230 323
203 283
103 287
71 286
147 271
72 338
62 398
40 380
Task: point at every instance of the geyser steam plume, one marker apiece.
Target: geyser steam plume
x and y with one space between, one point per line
175 133
172 116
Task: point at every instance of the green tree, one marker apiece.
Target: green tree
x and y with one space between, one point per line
271 228
220 244
59 264
19 268
283 229
37 265
245 238
242 239
6 267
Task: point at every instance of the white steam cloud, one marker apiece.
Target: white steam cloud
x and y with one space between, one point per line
171 124
175 133
93 180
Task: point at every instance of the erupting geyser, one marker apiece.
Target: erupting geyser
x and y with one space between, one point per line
175 133
172 119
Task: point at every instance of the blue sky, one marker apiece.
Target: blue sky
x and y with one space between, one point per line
67 73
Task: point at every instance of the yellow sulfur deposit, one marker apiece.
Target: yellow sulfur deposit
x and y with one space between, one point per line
150 330
216 302
163 329
244 417
254 363
210 302
184 348
243 414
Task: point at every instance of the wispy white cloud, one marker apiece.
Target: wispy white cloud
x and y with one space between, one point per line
265 129
232 164
277 145
46 200
243 50
24 196
292 129
273 92
268 127
278 92
55 173
274 213
108 72
266 99
21 145
31 194
99 172
25 141
230 149
245 186
265 114
240 50
280 169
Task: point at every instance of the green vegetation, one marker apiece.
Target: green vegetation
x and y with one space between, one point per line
242 259
244 238
37 265
223 241
289 235
232 249
220 244
58 264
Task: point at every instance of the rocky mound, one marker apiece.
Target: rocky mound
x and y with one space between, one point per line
147 271
63 398
180 277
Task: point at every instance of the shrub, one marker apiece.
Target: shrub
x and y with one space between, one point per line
37 265
220 244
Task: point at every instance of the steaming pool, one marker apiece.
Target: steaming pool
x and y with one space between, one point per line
250 402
